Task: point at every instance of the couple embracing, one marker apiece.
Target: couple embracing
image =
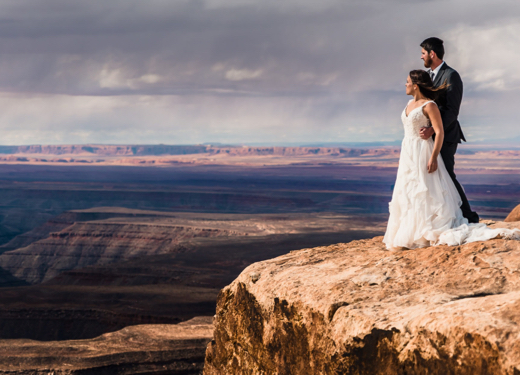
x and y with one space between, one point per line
429 206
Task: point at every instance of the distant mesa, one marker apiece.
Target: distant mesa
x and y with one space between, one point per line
158 150
104 150
87 238
177 155
205 154
104 236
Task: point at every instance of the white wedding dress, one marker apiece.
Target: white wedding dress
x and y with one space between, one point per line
425 207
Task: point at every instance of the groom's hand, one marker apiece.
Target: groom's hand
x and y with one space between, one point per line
426 132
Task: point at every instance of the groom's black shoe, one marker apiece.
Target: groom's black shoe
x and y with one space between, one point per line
471 216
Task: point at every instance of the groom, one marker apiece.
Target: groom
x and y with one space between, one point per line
449 105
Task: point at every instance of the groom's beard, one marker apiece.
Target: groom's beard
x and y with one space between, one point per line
428 62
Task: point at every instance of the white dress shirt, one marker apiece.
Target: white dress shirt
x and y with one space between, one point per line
435 71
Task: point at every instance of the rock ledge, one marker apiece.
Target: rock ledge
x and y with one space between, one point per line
358 309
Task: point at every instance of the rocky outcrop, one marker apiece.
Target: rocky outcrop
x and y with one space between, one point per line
513 215
142 349
358 309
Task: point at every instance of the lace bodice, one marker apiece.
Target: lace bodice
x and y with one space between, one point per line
414 121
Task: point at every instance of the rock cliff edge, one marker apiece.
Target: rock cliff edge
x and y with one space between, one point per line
358 309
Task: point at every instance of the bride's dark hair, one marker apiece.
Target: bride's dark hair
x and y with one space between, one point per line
422 79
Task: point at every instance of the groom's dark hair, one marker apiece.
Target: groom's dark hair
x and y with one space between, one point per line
434 44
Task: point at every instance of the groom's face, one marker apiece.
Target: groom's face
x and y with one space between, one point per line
425 56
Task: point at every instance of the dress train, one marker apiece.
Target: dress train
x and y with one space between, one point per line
425 207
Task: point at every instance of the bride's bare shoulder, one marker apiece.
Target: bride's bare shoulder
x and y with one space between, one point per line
431 105
430 108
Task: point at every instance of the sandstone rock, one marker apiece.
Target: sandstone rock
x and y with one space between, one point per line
514 215
358 309
164 349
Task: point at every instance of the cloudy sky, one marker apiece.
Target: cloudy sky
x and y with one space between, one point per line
245 71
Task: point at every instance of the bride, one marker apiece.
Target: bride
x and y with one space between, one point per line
425 207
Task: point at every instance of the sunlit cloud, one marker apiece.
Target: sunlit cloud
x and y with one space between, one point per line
489 55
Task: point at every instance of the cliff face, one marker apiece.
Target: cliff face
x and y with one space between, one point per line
63 221
358 309
142 349
97 243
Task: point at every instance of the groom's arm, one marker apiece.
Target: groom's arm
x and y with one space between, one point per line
453 99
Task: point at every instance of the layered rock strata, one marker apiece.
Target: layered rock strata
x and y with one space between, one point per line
66 219
104 236
358 309
97 243
142 349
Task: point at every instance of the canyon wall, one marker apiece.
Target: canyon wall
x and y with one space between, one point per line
64 220
85 244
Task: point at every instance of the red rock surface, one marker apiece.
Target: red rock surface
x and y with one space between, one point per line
358 309
514 215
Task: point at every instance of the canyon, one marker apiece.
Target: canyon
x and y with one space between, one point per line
148 236
74 240
88 272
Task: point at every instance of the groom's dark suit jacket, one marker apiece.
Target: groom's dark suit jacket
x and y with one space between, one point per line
449 103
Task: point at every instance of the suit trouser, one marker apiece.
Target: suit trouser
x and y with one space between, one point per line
448 151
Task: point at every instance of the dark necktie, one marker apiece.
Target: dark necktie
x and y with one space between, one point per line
432 75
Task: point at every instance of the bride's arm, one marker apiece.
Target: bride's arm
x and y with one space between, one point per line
432 112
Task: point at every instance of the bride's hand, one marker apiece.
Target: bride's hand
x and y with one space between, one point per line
432 165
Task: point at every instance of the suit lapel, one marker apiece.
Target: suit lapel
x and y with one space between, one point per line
439 79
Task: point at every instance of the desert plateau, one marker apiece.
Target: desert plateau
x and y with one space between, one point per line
203 187
101 245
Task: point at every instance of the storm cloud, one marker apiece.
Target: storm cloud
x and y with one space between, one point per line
239 71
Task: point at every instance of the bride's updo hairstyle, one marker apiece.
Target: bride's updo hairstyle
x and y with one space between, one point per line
422 79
